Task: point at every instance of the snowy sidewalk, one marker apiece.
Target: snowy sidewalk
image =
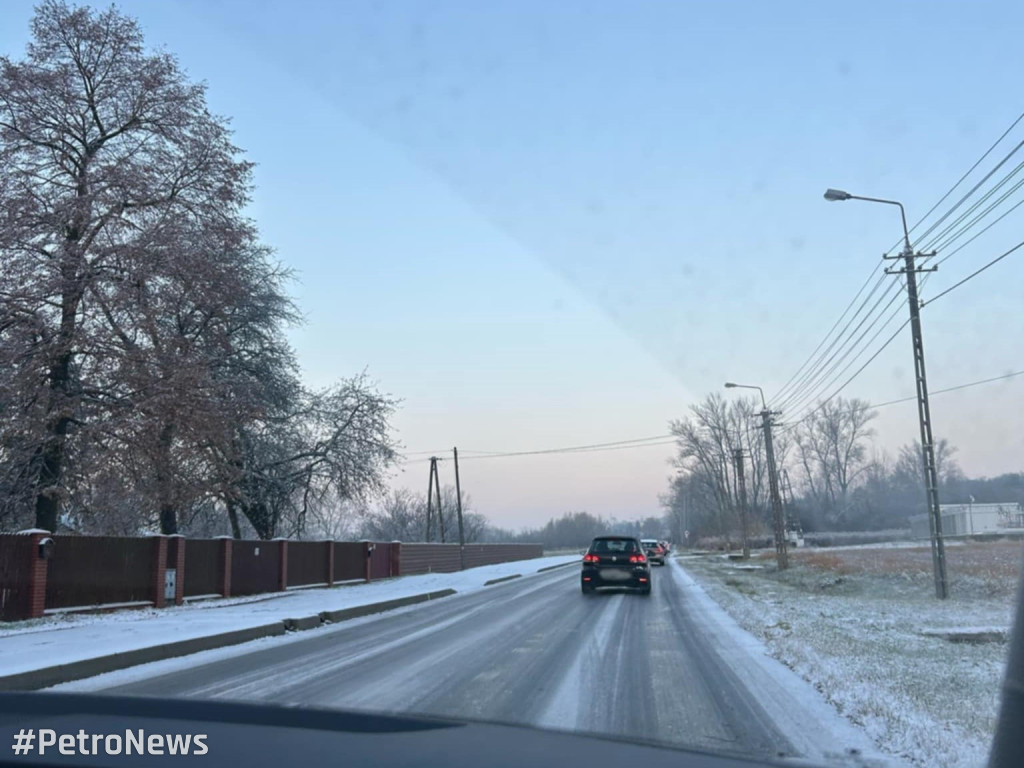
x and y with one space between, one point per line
67 639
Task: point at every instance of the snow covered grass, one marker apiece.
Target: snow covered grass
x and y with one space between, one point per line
859 624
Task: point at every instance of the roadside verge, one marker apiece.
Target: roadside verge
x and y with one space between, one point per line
65 673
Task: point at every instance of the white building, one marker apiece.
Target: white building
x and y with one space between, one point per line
969 519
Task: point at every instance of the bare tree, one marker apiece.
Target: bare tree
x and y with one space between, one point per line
830 447
706 440
401 516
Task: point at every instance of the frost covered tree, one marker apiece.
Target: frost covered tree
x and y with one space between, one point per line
143 362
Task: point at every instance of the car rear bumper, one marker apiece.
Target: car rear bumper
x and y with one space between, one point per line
615 577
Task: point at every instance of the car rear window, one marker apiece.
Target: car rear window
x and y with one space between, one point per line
614 545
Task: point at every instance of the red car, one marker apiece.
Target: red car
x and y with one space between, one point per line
655 551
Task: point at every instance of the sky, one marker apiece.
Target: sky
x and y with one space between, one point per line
556 224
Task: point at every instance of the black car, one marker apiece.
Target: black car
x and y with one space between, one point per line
616 561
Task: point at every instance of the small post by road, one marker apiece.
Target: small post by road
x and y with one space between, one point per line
458 508
737 456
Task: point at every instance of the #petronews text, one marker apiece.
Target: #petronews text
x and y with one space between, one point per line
29 740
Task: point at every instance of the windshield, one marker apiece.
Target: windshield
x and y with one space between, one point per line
335 336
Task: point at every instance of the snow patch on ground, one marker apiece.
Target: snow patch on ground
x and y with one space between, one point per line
859 641
813 727
62 639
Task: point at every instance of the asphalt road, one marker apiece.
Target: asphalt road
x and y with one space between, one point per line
532 651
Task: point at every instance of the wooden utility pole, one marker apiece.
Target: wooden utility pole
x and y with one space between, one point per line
458 508
440 505
430 495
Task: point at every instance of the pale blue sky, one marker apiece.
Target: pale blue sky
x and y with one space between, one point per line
556 223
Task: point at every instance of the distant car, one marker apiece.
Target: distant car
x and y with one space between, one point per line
616 561
654 550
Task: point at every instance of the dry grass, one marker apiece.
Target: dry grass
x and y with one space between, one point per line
999 559
988 568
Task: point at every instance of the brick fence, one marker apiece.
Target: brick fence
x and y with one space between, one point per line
43 573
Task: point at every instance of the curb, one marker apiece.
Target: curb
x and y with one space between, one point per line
36 679
306 622
77 670
387 605
560 565
503 578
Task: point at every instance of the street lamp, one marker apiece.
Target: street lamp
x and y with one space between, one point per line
733 385
931 480
782 557
838 195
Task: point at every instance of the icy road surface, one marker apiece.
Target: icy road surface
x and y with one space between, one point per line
671 668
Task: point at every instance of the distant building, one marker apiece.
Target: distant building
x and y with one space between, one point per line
969 519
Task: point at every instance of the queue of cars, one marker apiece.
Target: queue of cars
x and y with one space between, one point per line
621 562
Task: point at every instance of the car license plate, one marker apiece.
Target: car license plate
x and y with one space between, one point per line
615 574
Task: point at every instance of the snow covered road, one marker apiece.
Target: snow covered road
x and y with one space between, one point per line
672 668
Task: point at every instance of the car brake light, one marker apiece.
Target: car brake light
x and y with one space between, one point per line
591 559
637 559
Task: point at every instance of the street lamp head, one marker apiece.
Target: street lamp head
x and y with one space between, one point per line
729 385
834 195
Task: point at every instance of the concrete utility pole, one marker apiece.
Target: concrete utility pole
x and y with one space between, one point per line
458 507
931 479
737 457
781 553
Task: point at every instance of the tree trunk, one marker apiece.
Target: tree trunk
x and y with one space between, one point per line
168 509
236 529
51 453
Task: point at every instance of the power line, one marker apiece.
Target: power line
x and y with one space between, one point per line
948 236
961 180
1010 375
855 375
824 359
835 325
976 235
976 272
808 394
969 384
803 374
971 191
639 442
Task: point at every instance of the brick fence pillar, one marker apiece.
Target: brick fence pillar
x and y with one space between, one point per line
367 551
226 546
176 560
158 569
33 566
282 571
330 563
